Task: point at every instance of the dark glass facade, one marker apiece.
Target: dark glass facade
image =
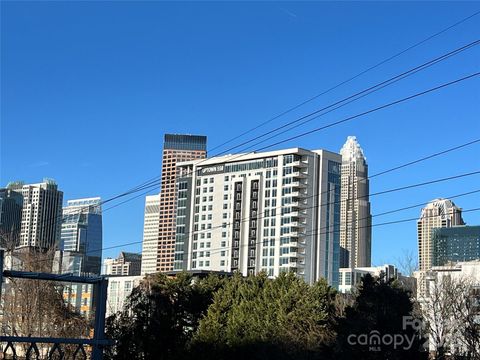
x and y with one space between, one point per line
11 203
81 238
459 243
185 142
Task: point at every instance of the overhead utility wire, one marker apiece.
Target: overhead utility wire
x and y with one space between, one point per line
402 188
349 99
349 79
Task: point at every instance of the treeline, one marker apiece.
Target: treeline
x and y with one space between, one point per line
261 318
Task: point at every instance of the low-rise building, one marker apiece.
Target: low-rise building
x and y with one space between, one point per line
119 288
351 277
449 297
127 264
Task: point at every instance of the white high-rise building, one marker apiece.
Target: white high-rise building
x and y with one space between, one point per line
150 234
439 213
41 215
355 217
274 211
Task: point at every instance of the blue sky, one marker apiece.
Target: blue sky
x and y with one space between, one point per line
89 88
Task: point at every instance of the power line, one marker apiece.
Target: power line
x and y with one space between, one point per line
349 79
315 206
315 231
373 110
349 99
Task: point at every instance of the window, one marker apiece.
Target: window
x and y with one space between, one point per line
222 262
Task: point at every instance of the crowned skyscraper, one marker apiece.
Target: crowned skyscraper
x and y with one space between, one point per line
355 217
439 213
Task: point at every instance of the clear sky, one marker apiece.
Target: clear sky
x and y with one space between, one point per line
89 88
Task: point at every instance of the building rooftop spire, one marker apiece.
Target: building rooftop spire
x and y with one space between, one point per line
351 150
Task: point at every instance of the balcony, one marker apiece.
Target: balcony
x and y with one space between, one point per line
299 163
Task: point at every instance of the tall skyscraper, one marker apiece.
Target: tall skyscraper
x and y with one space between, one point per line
275 211
439 213
355 217
11 203
150 234
41 215
81 236
176 148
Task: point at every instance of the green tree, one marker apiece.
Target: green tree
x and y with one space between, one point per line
160 316
269 319
380 308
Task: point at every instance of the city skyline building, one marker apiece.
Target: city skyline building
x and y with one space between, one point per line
41 215
11 204
176 148
81 236
274 211
119 288
126 264
355 216
439 213
455 244
150 234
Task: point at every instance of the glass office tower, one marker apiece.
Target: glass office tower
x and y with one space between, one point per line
81 237
455 244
